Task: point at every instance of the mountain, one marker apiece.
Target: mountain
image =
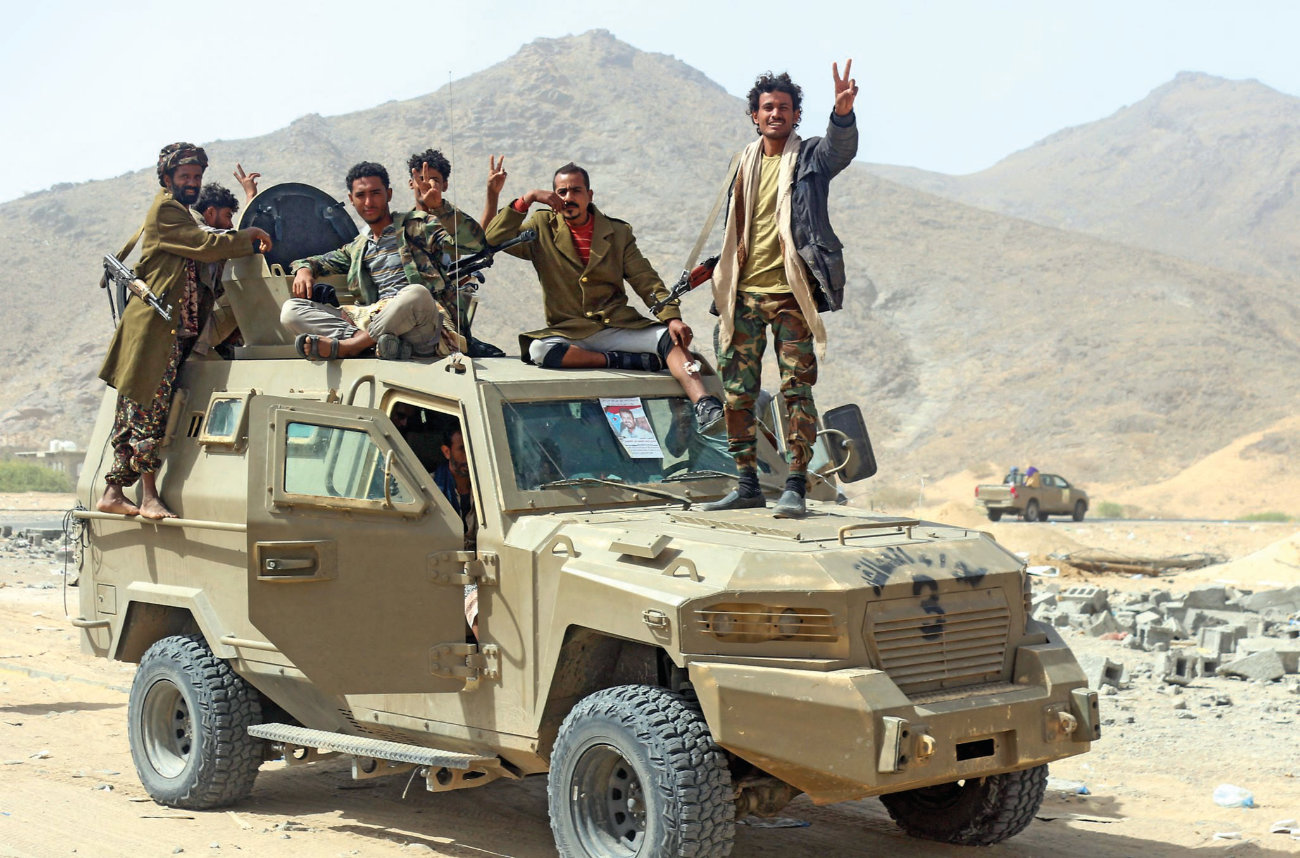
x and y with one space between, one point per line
967 336
1203 168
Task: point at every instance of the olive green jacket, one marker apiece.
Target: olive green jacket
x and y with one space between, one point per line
421 241
581 300
171 239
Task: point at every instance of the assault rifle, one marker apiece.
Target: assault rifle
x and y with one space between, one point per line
126 281
472 266
701 273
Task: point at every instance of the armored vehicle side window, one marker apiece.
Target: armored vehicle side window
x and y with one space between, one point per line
327 461
573 439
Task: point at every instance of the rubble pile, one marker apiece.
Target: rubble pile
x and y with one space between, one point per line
1212 630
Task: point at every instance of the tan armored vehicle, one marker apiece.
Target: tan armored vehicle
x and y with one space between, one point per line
669 670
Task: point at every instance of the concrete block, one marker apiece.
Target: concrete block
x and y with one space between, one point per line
1102 671
1207 596
1147 618
1096 599
1208 665
1288 600
1102 624
1221 639
1155 636
1160 596
1287 649
1179 667
1126 620
1261 667
1060 620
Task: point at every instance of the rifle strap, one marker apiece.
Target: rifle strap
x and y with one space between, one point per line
713 213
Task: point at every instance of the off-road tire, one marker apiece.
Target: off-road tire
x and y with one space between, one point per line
1080 510
1033 512
188 721
995 514
635 771
975 812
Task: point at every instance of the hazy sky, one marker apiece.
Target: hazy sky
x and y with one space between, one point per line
92 90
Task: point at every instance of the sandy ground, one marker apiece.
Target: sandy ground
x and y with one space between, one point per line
68 787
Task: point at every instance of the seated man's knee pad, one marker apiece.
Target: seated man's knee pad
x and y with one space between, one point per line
548 355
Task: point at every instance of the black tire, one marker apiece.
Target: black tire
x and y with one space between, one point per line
1033 513
1080 510
188 721
995 514
975 812
635 772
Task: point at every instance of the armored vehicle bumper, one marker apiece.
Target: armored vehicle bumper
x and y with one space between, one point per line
859 735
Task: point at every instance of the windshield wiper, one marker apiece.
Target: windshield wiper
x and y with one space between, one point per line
633 487
697 475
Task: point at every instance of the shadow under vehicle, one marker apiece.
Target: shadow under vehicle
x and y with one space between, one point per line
669 669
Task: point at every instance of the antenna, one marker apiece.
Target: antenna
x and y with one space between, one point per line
455 212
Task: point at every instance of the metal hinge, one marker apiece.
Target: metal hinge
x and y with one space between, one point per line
466 660
464 567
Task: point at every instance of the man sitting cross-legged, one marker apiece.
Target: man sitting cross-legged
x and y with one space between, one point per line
391 270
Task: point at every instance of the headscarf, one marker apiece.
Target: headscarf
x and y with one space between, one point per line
175 155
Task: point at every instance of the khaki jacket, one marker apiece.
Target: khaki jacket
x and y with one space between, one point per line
143 340
581 300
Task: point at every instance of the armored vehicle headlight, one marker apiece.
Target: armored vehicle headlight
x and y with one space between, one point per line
755 623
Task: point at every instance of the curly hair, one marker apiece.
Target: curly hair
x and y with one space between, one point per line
218 196
435 159
364 170
768 82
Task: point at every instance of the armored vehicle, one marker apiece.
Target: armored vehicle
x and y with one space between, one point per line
670 670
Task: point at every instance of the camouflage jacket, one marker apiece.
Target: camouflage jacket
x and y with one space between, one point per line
422 238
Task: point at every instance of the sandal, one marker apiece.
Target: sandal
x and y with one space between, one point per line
308 346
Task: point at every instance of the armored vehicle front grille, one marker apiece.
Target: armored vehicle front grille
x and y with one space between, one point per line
949 642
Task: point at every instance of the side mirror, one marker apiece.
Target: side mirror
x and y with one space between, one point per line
848 444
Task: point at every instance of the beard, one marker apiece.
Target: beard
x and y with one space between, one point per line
186 196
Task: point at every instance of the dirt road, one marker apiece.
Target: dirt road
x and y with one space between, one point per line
68 786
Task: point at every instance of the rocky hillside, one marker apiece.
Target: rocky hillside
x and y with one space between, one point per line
1203 168
969 335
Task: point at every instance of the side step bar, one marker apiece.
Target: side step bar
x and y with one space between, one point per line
361 746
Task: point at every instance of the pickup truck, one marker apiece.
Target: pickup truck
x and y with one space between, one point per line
1050 494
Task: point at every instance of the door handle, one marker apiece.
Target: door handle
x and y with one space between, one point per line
288 564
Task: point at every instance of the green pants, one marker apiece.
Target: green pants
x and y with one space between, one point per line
741 366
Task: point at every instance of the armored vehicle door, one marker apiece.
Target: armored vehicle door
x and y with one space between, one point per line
342 532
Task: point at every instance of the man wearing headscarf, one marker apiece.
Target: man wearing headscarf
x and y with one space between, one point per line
147 350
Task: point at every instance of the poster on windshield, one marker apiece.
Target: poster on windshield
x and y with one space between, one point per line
628 421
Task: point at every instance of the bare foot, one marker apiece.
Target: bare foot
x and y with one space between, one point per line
153 509
115 501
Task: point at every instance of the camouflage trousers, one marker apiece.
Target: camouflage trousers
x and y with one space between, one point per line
741 367
138 429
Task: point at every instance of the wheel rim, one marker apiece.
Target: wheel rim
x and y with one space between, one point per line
167 729
608 803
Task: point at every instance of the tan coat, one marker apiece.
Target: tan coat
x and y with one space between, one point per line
138 353
581 300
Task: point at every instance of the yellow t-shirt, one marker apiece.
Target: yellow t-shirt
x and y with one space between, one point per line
764 269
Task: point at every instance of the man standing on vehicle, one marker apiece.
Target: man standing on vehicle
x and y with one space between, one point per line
147 350
781 266
582 259
392 270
